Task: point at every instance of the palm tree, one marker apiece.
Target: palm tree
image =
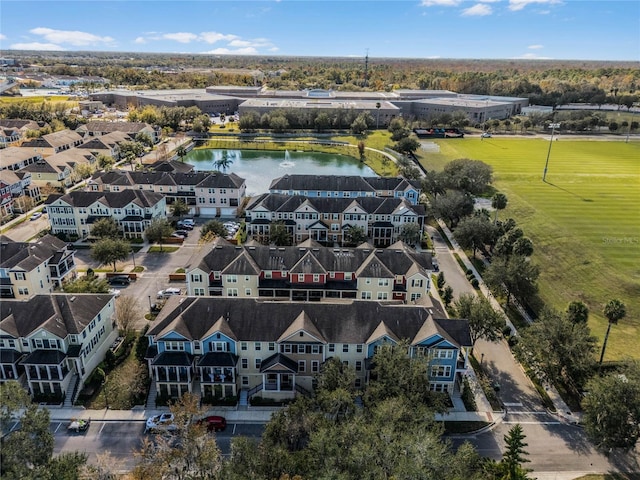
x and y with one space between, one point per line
181 152
223 162
578 313
499 202
614 310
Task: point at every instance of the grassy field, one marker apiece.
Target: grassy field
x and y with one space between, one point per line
584 221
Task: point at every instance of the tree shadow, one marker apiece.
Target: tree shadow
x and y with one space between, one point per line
567 191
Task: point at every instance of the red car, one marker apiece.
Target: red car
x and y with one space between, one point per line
214 423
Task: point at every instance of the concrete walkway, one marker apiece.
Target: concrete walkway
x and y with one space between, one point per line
561 408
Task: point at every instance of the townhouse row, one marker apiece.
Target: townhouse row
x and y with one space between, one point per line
328 220
310 272
74 214
223 347
37 268
52 343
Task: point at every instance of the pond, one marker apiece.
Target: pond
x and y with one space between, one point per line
260 167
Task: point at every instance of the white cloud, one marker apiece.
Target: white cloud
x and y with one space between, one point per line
213 37
516 5
257 43
228 51
72 37
3 37
35 46
181 37
140 40
478 10
535 47
440 3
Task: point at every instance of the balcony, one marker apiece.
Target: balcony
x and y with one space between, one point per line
172 377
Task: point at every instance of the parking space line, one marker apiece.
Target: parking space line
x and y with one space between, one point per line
234 428
57 428
102 427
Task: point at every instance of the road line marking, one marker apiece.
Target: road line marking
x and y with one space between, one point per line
521 412
515 404
235 425
102 428
57 428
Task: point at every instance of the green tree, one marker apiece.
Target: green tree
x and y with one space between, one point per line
407 145
181 152
615 311
158 230
577 313
212 229
67 466
558 350
130 151
110 251
514 276
515 454
473 176
447 295
355 235
484 321
475 232
440 281
279 234
26 452
322 122
433 184
612 409
452 206
335 394
144 139
13 399
499 202
86 284
410 233
359 126
278 123
523 247
179 208
105 228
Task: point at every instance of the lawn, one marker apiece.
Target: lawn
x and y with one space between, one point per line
584 221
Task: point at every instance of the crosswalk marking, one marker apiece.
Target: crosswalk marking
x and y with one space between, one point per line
533 423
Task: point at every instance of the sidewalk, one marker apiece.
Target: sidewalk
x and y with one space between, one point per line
139 414
562 409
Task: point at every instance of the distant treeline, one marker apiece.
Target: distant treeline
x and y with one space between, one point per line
544 82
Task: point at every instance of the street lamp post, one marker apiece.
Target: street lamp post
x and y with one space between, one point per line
150 306
546 165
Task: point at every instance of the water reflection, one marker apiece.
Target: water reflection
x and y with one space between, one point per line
260 167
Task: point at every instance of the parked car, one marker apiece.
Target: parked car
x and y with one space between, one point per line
184 233
177 235
186 222
114 291
185 226
120 280
214 423
78 425
168 292
161 423
35 216
486 135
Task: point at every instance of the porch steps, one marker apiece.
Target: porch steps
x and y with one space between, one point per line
72 392
243 401
151 398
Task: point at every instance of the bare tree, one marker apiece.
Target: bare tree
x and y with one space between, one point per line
127 312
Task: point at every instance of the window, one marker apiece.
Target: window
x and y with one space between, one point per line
441 370
301 348
332 347
316 278
257 346
416 282
415 296
218 346
247 292
358 382
315 349
196 277
301 277
174 346
196 345
315 366
245 363
232 292
383 295
365 295
286 348
383 282
258 363
443 354
272 346
359 348
232 279
23 291
345 348
358 366
245 381
302 366
19 275
243 345
347 275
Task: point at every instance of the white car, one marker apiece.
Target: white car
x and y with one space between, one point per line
168 292
114 291
486 135
161 423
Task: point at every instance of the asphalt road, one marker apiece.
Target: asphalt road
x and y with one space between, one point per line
121 439
28 229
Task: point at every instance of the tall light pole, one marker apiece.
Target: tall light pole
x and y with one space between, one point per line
546 165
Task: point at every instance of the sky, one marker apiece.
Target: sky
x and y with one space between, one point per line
477 29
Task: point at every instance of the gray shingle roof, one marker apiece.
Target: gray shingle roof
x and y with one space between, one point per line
112 199
27 256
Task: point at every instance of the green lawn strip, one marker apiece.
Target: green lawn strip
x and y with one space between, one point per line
157 249
582 222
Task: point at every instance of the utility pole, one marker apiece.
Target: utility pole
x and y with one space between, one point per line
553 129
366 69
